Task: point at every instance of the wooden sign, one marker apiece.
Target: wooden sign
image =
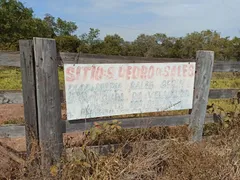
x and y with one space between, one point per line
115 89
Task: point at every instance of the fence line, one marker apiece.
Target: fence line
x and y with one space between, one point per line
13 59
42 100
15 97
13 131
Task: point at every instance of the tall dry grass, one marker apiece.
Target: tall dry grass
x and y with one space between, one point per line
158 153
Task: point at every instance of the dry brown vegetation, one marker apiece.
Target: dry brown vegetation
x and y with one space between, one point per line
154 153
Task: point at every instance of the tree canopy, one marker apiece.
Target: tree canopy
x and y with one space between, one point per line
18 22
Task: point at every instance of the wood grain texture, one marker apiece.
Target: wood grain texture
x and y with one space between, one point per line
140 122
48 101
204 66
226 66
11 97
12 131
71 58
223 93
15 97
10 59
74 126
29 92
13 59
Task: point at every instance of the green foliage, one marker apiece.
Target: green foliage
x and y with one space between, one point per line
90 42
113 45
10 78
225 112
64 28
67 43
17 22
92 37
103 128
143 45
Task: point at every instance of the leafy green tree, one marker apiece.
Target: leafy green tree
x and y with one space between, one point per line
90 42
236 48
142 45
64 28
90 38
157 45
126 48
191 43
67 43
113 45
17 22
177 49
50 21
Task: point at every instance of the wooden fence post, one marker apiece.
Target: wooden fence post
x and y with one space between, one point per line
29 93
204 67
48 101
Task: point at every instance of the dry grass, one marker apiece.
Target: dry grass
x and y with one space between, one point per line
155 153
165 155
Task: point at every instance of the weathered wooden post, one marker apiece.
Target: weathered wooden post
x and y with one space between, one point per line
204 67
29 93
48 101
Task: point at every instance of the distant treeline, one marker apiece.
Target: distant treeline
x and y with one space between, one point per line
18 22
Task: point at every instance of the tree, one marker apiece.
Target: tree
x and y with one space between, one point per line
157 45
67 43
191 43
64 28
90 42
91 38
126 48
236 48
113 45
17 22
142 45
60 27
50 21
177 49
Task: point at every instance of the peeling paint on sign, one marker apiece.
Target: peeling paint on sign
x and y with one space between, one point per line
115 89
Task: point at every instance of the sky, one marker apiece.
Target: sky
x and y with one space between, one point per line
129 18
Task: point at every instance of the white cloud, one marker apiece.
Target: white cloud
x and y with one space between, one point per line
173 17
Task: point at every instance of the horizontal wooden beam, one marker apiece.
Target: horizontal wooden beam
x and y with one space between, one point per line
139 122
224 93
15 97
13 131
70 58
11 97
13 59
226 66
10 59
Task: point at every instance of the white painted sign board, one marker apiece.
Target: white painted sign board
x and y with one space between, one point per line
115 89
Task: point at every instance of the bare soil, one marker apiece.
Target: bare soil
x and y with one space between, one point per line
11 112
15 112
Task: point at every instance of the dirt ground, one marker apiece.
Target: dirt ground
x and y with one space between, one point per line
15 112
11 112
